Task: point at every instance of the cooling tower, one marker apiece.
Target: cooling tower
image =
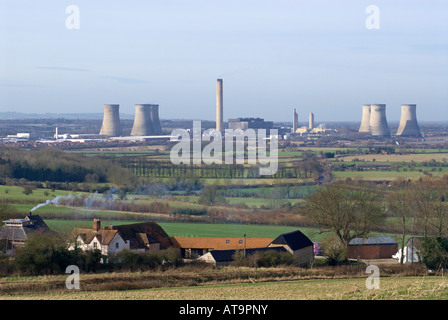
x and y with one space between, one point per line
311 121
295 121
408 126
219 105
365 121
378 123
142 122
154 112
111 121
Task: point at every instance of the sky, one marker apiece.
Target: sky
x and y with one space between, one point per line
273 56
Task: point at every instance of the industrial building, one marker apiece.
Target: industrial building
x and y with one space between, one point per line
250 123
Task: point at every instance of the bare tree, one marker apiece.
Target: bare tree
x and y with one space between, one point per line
349 213
398 203
429 201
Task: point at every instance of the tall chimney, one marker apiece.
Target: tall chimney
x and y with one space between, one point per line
365 121
295 121
96 224
311 121
111 121
219 105
408 122
378 121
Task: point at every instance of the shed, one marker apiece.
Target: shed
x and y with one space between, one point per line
372 248
298 244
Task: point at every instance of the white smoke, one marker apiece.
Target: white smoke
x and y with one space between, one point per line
87 201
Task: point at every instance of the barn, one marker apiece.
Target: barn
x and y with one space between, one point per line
372 248
297 244
226 257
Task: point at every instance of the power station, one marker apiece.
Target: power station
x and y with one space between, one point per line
408 126
111 121
219 105
146 121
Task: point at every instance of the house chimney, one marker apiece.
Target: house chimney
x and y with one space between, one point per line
96 224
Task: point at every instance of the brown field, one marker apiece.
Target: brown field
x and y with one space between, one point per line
392 288
206 283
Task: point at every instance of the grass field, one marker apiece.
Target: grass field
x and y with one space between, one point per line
390 288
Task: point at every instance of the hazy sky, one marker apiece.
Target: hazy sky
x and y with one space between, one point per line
273 56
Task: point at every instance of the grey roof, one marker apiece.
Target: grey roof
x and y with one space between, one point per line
227 255
295 240
23 233
372 241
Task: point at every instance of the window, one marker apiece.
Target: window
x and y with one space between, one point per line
94 245
241 241
117 245
227 241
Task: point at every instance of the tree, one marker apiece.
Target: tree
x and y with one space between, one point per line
211 196
347 213
430 202
398 202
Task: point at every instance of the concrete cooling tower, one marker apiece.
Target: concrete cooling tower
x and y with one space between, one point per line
365 121
378 123
408 126
111 121
143 125
219 105
154 113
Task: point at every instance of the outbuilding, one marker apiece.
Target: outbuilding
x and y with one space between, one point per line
372 248
297 244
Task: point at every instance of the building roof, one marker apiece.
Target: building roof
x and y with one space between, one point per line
219 243
372 241
104 236
295 240
144 233
227 255
29 225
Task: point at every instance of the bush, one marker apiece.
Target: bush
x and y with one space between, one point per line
434 252
46 254
334 249
262 259
133 261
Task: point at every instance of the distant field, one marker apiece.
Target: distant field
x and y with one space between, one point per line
416 157
377 175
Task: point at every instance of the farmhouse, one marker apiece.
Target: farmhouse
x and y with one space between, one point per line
139 237
372 248
196 246
16 232
297 244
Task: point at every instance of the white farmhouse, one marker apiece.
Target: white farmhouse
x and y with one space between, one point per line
107 240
